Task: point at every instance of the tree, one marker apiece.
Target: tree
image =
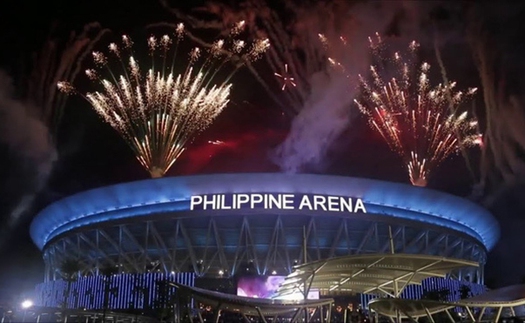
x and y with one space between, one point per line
464 291
107 272
164 301
69 271
440 295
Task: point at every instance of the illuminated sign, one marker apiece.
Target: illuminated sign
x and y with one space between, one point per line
267 201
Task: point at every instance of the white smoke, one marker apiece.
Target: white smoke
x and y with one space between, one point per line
329 110
321 120
27 138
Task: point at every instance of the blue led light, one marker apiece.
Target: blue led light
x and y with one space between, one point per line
172 194
126 291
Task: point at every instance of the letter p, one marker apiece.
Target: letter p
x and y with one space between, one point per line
195 200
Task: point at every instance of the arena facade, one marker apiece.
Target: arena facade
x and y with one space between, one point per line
226 225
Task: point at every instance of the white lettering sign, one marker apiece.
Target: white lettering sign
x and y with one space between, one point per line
327 203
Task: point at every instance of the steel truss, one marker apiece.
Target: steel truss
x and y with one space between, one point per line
223 246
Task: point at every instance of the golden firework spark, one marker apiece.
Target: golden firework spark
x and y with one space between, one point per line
419 122
158 111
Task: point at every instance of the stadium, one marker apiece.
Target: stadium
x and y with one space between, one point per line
205 230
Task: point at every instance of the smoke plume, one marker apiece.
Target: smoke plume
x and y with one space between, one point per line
327 110
29 127
29 143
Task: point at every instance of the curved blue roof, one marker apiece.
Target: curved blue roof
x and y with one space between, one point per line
171 194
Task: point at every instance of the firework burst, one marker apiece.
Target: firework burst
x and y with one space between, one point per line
158 111
285 78
418 121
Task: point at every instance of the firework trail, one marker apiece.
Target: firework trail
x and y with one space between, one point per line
54 64
413 117
159 110
502 166
295 54
321 97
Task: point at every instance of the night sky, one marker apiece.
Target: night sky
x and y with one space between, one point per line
91 154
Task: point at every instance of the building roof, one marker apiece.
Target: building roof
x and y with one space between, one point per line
384 273
172 194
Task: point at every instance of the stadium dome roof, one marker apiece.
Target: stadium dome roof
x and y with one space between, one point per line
173 194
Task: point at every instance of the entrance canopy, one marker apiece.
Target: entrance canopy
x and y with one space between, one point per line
374 273
503 298
248 305
409 308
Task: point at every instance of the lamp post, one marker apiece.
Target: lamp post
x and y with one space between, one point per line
27 304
